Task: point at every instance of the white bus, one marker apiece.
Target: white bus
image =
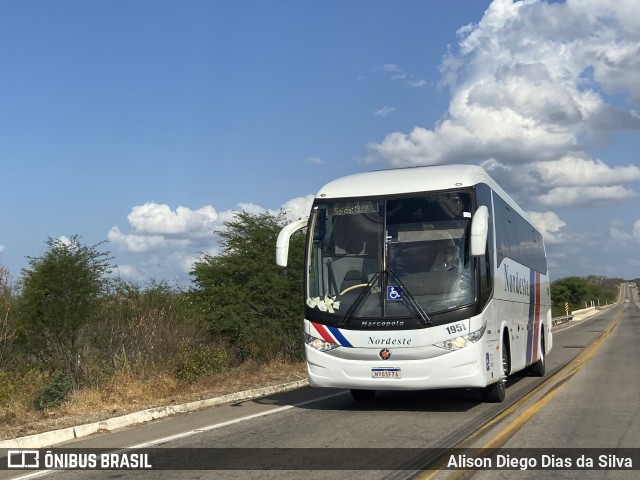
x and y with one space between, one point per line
421 278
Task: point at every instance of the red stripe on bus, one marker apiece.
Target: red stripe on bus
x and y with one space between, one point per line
322 330
536 319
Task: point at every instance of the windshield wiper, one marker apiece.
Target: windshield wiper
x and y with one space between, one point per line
406 294
356 303
410 298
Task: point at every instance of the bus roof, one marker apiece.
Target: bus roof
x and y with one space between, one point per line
411 180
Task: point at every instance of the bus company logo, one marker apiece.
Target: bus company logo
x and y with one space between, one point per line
389 341
385 354
515 283
382 323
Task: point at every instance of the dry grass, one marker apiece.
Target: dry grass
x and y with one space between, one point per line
124 393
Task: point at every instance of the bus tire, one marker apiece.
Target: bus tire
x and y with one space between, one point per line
496 392
362 395
538 368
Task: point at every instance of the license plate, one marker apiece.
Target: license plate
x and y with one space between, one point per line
385 372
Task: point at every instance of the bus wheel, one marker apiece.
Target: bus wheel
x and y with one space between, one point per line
537 369
362 395
496 392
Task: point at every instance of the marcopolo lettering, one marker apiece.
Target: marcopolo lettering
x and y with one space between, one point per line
382 323
389 341
515 283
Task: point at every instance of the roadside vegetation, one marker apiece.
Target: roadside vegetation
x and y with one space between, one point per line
583 292
74 339
77 342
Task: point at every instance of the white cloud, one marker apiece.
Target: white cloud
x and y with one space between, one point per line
567 182
2 248
155 226
399 75
384 111
416 82
580 171
636 230
128 272
63 239
143 243
618 232
153 218
615 61
164 241
531 84
316 160
550 225
297 207
565 197
249 207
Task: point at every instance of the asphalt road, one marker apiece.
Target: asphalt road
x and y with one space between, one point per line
585 402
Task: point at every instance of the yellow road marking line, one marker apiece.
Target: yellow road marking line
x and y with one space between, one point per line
562 376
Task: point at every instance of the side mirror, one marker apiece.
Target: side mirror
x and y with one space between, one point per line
479 231
282 243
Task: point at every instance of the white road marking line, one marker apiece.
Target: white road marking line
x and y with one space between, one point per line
196 431
232 422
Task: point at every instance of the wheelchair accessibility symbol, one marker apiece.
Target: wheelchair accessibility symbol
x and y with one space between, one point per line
394 293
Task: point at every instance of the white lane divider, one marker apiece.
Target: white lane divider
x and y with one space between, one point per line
233 422
197 431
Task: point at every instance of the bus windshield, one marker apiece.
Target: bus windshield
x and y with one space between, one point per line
393 257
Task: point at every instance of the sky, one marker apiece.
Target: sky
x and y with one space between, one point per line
146 124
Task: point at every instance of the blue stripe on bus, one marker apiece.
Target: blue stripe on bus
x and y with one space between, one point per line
341 338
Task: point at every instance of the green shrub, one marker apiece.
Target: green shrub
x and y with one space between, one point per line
53 393
194 362
7 387
249 303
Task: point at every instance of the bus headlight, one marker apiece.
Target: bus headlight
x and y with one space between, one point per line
463 340
319 344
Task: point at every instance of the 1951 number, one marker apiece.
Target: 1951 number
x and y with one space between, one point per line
457 328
